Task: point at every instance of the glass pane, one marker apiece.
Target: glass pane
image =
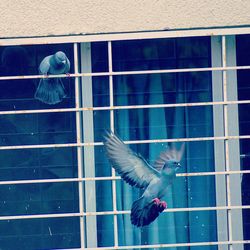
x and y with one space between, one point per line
169 122
162 88
152 54
242 49
162 123
37 163
99 56
52 233
105 233
100 86
181 227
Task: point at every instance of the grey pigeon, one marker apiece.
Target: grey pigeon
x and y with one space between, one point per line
135 170
51 90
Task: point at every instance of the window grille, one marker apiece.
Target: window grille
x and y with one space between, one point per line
81 185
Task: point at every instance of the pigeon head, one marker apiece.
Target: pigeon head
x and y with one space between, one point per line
60 57
171 167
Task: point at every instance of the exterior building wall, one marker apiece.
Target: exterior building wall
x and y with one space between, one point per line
29 18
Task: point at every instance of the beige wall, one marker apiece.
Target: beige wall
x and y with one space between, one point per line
24 18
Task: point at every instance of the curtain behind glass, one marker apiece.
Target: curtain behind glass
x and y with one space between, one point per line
160 123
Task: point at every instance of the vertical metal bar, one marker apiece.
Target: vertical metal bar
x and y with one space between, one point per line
225 106
89 153
79 149
111 96
234 145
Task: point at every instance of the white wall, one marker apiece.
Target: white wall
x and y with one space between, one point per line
24 18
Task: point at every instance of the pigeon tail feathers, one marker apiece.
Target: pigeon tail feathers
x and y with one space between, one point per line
142 214
50 91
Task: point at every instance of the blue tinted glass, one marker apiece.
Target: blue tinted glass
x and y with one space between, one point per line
164 123
161 54
144 54
38 163
25 60
164 120
99 56
180 227
100 87
243 84
60 233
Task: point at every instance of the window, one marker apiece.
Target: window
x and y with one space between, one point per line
57 188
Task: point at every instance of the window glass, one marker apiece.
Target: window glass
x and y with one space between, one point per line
243 76
164 123
104 195
36 163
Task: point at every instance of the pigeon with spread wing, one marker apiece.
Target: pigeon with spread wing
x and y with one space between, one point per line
135 170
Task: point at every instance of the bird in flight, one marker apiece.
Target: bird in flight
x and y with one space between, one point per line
136 171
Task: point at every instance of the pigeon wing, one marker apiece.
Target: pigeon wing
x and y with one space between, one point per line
45 65
67 66
132 167
170 153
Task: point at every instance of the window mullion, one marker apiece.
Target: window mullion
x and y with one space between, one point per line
89 154
219 149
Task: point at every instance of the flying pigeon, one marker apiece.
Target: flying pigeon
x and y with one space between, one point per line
51 90
135 170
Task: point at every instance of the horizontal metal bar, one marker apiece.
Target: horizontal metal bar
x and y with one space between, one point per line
40 181
109 178
88 144
141 72
172 245
125 36
39 216
150 106
176 245
117 212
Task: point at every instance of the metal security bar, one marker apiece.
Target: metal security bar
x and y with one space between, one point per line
226 132
65 145
113 178
79 149
140 72
112 127
109 178
115 213
150 106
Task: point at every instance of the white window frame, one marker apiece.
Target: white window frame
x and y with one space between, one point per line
226 130
226 48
